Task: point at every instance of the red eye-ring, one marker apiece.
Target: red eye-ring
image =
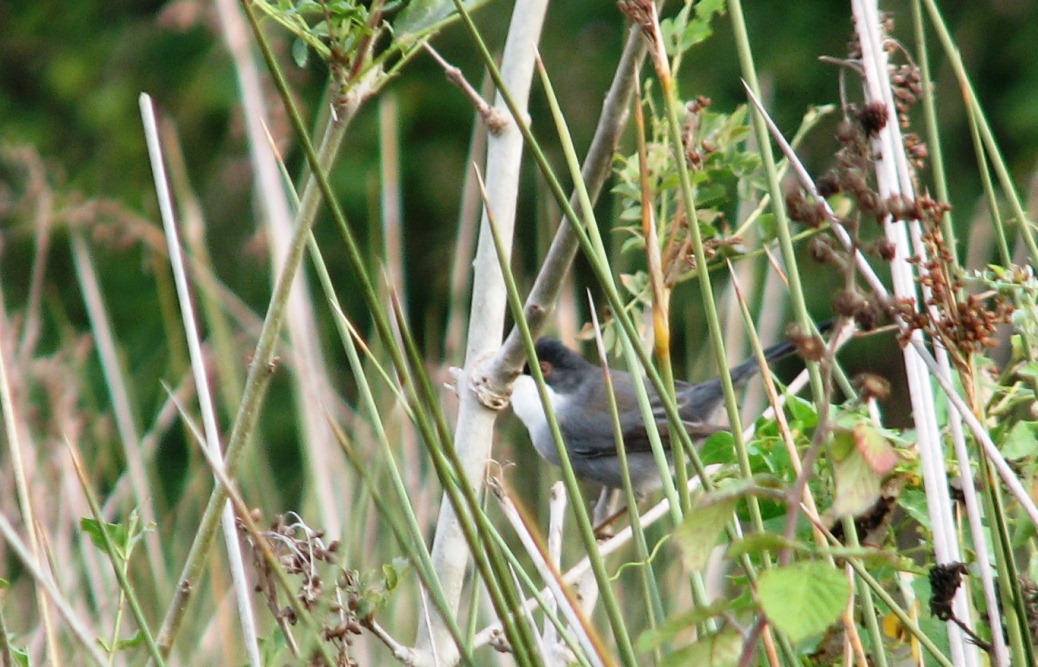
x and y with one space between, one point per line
545 368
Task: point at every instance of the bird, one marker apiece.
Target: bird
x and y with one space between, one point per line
579 397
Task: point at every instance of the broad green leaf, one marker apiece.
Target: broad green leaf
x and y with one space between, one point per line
803 411
420 15
1028 370
857 486
803 599
862 457
759 542
913 501
875 449
669 630
697 535
721 649
717 448
1021 441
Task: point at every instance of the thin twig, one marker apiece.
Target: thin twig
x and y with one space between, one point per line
496 119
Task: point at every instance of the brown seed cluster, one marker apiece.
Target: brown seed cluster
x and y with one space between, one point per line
907 85
1030 595
302 554
696 148
871 386
964 323
638 12
809 346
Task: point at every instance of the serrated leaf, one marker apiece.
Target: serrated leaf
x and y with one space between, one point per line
699 532
858 486
1021 441
803 599
668 631
721 649
717 448
875 449
760 542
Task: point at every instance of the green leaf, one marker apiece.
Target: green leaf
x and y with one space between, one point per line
394 571
760 542
20 655
717 448
803 411
721 649
124 536
914 502
803 599
420 15
1021 441
858 486
136 640
117 533
300 53
682 32
862 458
875 449
1028 370
711 194
697 535
272 646
668 631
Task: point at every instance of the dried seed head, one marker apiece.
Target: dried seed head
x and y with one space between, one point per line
872 386
873 118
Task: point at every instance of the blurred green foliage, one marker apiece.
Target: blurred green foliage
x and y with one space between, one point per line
70 74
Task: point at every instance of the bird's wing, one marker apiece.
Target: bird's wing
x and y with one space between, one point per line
636 435
636 439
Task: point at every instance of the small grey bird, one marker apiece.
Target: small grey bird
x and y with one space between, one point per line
579 397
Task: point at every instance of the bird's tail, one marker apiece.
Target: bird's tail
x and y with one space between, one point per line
747 369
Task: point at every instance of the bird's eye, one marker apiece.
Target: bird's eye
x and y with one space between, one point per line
546 368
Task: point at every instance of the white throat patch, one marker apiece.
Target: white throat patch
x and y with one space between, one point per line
526 402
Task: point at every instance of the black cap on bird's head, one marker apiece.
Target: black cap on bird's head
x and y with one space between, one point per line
562 367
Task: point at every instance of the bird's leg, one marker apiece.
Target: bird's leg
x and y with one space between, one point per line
608 509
